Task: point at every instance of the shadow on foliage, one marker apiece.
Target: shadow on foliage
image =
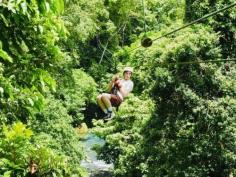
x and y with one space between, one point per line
92 111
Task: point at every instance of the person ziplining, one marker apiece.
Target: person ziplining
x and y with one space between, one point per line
118 89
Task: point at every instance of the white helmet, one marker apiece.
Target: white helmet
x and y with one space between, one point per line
128 69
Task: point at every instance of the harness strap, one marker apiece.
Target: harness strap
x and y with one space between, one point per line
114 90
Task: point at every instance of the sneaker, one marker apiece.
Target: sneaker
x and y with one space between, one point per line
112 115
109 116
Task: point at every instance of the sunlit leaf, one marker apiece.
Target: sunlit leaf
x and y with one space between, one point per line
5 56
7 174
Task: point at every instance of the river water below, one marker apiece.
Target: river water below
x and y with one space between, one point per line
95 167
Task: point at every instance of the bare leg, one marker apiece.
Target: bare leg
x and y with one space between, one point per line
101 104
106 100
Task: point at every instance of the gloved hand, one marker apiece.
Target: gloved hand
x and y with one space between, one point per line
115 78
118 83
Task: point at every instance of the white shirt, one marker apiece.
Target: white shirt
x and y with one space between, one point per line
127 85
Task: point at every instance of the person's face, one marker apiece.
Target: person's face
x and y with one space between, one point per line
127 75
33 168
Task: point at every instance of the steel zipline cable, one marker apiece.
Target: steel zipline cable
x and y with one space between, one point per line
191 23
196 62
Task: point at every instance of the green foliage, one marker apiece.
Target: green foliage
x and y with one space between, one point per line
124 133
166 12
158 14
29 54
76 94
91 31
222 22
17 151
31 64
191 45
4 55
83 19
99 28
191 129
55 126
180 120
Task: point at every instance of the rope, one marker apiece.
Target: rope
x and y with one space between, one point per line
191 23
196 62
105 47
144 17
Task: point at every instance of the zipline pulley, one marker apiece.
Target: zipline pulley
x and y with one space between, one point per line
146 41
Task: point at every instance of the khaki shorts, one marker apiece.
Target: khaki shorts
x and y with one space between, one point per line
115 100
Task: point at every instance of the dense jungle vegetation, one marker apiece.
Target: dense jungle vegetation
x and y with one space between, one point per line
56 56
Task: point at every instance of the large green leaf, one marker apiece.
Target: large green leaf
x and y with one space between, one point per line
7 174
5 56
59 6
